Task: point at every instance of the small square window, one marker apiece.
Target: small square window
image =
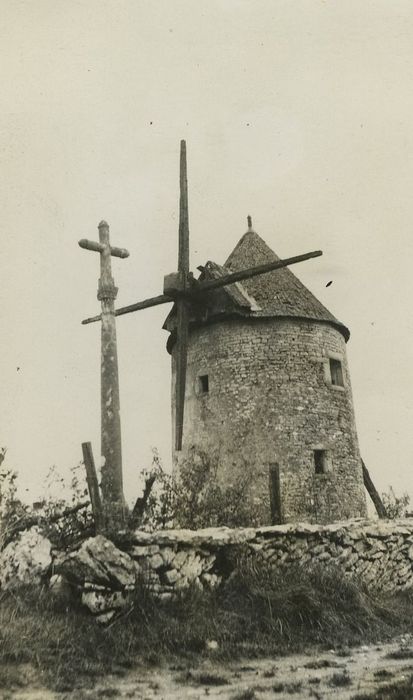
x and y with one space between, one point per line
203 384
320 461
336 372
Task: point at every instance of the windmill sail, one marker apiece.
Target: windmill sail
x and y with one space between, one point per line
181 289
181 304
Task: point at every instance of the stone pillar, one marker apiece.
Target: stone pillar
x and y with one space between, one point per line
114 504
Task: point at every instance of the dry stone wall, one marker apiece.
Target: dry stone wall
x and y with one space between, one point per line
169 561
380 553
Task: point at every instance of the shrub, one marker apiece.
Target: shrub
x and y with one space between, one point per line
12 511
396 506
193 498
63 519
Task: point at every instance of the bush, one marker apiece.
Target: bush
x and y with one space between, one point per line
12 511
193 497
64 520
396 506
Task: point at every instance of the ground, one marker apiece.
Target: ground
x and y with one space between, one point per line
376 671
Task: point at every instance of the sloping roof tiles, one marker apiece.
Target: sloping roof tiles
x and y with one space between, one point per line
277 293
274 294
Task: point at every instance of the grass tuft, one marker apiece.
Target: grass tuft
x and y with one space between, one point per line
340 680
258 613
399 690
248 694
401 653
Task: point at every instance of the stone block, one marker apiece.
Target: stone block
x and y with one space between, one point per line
156 561
27 560
98 560
179 559
143 550
167 554
171 575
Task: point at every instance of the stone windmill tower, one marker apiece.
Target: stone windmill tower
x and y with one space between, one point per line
260 382
268 395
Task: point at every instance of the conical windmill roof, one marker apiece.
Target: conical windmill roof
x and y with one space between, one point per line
277 293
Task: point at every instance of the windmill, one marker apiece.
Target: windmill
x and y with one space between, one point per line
184 290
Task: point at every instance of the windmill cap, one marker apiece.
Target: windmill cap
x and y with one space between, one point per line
278 293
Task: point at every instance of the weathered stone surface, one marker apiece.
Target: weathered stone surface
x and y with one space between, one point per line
171 576
380 552
271 400
362 546
99 561
167 554
144 550
156 561
104 601
27 560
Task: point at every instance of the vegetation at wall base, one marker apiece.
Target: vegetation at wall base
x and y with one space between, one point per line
255 614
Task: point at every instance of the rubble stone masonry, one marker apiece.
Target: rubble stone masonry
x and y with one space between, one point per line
377 552
270 401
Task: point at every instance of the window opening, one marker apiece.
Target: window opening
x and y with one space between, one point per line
336 372
203 383
320 461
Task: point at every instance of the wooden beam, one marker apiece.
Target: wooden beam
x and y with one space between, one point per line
199 288
183 254
141 502
373 493
27 523
251 272
93 486
181 357
145 304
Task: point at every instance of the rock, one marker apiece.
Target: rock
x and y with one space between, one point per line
143 551
104 618
319 549
210 580
150 577
208 561
60 588
156 561
179 559
98 561
324 556
138 569
172 575
211 644
104 601
26 561
167 554
192 568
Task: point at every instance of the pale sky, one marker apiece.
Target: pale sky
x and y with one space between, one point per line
298 112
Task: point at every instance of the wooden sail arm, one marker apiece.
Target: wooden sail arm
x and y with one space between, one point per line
197 288
373 493
240 275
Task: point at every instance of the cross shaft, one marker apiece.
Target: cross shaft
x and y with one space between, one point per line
114 504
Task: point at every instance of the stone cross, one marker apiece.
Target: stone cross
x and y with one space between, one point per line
114 505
